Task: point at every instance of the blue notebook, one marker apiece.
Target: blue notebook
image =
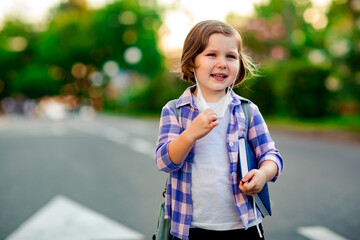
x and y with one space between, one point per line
247 160
248 163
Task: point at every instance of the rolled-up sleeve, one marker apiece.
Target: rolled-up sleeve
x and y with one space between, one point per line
169 129
262 142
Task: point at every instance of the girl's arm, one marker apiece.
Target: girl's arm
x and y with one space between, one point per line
270 161
172 142
254 181
180 147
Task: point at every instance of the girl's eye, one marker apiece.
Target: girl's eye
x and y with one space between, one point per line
231 56
211 54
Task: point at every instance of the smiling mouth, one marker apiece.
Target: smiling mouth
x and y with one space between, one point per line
219 75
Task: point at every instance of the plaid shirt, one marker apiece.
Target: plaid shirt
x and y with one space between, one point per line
178 195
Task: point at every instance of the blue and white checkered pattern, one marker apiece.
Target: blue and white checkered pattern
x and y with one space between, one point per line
178 195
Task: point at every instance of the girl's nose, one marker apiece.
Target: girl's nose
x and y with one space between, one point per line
221 63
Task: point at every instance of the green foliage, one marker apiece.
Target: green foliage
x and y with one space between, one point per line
311 57
126 24
34 81
306 94
15 52
308 69
261 91
67 40
78 42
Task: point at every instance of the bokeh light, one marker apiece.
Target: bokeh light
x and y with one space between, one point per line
97 78
315 17
17 44
339 47
111 68
127 18
298 37
317 56
130 37
133 55
333 83
79 70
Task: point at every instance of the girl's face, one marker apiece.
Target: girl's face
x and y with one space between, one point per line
217 66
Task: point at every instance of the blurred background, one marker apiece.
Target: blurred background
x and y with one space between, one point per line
118 56
113 63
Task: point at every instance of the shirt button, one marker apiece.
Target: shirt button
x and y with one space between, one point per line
233 174
231 144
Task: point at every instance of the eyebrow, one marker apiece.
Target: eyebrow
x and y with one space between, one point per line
215 50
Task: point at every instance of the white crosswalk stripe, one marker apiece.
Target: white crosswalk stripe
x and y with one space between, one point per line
319 233
64 219
117 136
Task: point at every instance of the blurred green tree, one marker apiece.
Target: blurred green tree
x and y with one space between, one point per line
123 33
295 38
110 58
34 81
342 44
87 53
16 51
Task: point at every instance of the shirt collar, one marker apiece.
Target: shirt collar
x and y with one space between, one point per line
188 98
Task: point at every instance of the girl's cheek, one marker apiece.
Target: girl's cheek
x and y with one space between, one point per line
235 66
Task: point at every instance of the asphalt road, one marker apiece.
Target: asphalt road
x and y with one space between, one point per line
107 165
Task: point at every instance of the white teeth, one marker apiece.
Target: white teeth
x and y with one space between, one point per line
222 76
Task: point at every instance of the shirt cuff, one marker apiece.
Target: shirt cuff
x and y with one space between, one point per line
164 161
276 160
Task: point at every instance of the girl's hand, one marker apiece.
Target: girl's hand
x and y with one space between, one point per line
253 182
179 148
202 124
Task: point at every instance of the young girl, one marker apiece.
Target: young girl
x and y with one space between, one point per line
205 197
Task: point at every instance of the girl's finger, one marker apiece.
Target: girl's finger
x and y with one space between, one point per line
215 123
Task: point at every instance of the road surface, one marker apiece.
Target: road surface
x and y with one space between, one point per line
106 166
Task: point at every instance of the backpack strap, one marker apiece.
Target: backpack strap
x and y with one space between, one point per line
245 107
175 108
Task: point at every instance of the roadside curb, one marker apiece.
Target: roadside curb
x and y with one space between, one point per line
328 135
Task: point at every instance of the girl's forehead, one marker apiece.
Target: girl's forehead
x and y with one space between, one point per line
221 41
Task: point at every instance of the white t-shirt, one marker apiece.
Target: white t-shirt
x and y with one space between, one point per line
213 200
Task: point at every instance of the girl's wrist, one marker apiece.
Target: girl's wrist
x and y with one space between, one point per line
264 175
269 168
189 136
